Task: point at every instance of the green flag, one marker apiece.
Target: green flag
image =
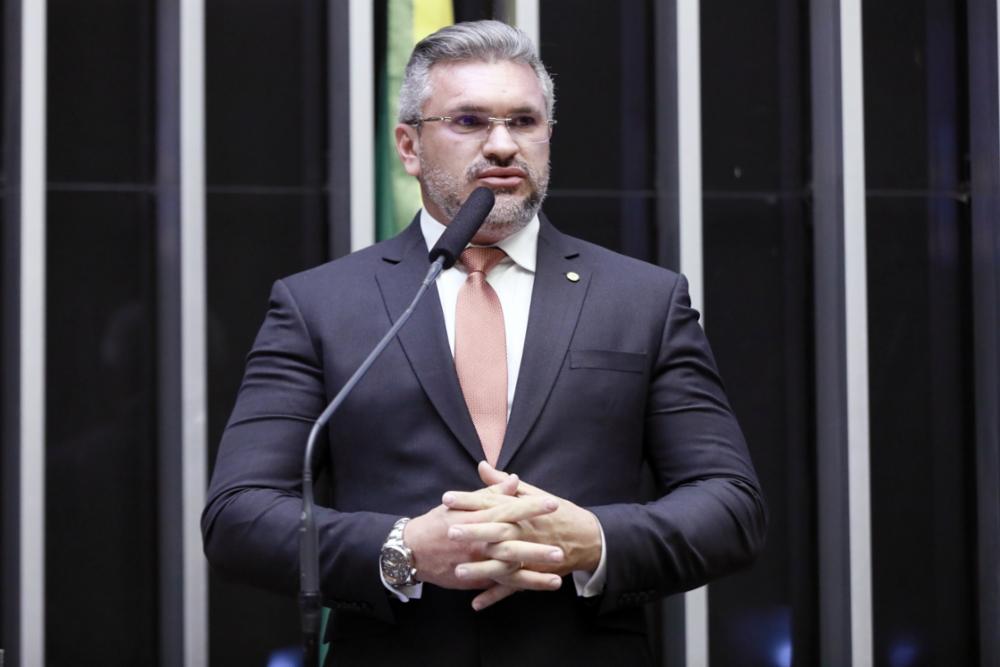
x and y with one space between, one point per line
397 193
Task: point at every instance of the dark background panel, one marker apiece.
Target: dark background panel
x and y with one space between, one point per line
601 62
741 71
603 147
473 10
895 77
3 309
922 444
100 84
252 240
4 36
619 220
101 491
4 406
265 92
266 95
920 337
101 405
757 241
758 311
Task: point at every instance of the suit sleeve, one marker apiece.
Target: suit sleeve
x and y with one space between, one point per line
710 519
251 519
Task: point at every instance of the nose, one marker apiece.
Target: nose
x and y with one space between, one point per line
500 143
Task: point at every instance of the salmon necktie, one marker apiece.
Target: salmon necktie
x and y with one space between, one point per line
481 350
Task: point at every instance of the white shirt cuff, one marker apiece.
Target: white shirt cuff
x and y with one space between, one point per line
588 584
403 593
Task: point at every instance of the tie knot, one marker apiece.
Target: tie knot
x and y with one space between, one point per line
481 259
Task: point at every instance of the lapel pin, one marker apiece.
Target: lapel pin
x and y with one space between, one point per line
573 276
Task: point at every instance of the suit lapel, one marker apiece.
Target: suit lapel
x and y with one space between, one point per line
423 338
555 308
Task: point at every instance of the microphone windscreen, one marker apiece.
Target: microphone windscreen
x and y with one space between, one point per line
463 226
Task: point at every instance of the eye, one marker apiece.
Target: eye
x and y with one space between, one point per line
469 121
524 121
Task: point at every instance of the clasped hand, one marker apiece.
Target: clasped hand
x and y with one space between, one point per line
506 537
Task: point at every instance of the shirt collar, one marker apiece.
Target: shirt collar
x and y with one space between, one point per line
521 246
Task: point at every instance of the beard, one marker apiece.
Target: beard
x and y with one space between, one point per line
511 212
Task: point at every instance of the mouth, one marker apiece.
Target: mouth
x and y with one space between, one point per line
502 177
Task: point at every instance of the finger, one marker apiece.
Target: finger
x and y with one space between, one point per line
491 476
485 507
525 579
471 501
491 596
481 498
508 574
516 551
520 509
485 569
485 532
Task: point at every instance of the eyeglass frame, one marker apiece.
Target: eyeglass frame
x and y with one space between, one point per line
492 120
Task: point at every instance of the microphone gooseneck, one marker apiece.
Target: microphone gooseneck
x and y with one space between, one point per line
443 256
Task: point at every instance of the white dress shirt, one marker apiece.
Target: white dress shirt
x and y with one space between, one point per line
512 279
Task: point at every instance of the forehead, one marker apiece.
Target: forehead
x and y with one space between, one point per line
496 87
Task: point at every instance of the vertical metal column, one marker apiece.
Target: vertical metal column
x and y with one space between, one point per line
984 129
671 617
667 179
679 245
24 338
194 397
181 331
32 321
856 325
362 123
690 240
338 177
841 334
526 14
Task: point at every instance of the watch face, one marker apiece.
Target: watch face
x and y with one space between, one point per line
395 565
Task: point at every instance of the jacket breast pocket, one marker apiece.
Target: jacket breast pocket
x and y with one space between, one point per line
627 362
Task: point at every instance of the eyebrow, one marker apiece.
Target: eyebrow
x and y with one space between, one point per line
475 108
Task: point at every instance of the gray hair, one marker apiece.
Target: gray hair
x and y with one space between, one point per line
486 41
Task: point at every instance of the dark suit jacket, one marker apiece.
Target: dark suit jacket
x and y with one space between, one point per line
616 373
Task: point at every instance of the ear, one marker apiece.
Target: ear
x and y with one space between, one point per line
407 142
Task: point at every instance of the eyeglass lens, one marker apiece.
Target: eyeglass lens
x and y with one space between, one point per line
528 127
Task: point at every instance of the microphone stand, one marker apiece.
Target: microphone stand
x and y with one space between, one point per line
310 599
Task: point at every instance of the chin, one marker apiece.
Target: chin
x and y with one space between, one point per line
492 232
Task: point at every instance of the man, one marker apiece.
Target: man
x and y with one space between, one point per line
485 474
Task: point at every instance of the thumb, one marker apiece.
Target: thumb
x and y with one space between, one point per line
491 475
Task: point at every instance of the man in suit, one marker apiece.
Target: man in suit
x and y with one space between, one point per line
485 474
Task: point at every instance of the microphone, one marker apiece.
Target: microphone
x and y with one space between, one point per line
463 226
443 256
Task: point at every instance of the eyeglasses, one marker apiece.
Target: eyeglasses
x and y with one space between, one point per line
522 127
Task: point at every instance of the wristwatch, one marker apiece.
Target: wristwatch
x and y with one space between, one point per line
396 559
